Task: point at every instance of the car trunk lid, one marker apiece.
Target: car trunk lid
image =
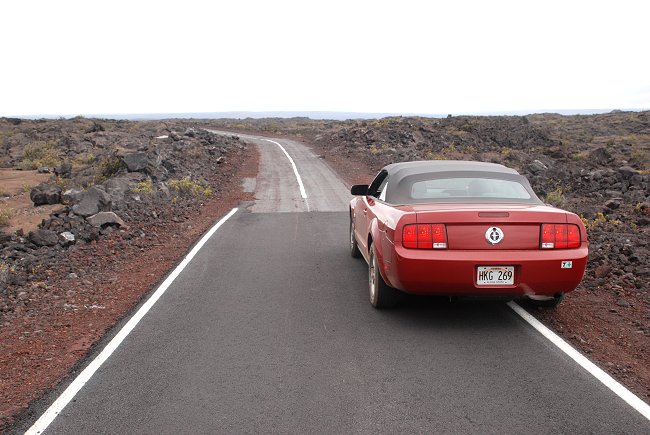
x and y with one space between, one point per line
490 227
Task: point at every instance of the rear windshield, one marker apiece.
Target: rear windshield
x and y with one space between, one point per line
451 188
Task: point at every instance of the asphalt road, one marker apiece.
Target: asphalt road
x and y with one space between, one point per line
269 330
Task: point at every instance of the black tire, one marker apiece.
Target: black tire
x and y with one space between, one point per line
549 303
354 247
381 294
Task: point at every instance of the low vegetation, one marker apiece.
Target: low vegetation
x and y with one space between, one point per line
5 215
186 187
40 155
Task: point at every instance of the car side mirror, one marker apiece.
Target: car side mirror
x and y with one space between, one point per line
359 189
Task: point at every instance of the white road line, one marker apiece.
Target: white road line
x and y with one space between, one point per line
50 414
622 392
303 194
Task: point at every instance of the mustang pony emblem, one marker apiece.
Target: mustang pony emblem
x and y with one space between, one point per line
494 235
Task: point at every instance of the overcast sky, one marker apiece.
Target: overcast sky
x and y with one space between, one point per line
89 57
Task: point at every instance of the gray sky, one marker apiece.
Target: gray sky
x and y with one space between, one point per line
88 57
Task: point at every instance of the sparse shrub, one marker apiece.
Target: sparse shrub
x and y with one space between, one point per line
40 155
430 155
143 187
556 197
187 187
505 152
5 271
599 220
84 159
5 215
581 155
108 167
4 193
196 152
63 183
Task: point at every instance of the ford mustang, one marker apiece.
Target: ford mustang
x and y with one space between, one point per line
462 228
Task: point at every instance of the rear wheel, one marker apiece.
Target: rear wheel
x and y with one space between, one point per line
547 302
354 247
381 294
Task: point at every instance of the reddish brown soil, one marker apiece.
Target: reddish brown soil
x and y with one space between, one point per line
14 199
615 338
41 344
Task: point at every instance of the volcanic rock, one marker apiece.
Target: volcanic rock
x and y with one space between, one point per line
66 238
627 172
64 171
104 218
45 194
42 237
92 202
536 167
71 196
600 156
136 162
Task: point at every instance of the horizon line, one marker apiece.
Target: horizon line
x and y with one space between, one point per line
314 114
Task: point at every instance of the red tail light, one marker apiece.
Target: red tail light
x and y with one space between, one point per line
560 236
410 236
424 236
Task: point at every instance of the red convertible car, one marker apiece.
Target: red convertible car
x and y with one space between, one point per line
461 228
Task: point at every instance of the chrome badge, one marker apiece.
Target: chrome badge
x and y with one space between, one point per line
494 235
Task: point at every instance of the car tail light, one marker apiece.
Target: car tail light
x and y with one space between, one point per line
424 236
409 236
560 236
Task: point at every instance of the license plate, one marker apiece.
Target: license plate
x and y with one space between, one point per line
495 275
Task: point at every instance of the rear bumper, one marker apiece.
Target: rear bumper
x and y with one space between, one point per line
448 272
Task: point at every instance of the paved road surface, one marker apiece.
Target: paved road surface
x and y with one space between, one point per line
269 330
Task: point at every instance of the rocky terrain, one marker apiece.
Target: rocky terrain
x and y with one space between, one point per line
597 166
123 201
120 203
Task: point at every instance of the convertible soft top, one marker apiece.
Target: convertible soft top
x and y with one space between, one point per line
429 166
403 175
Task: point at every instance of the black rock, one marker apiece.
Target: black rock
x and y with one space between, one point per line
536 167
627 172
71 196
42 237
136 162
4 237
63 171
45 194
92 202
600 156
